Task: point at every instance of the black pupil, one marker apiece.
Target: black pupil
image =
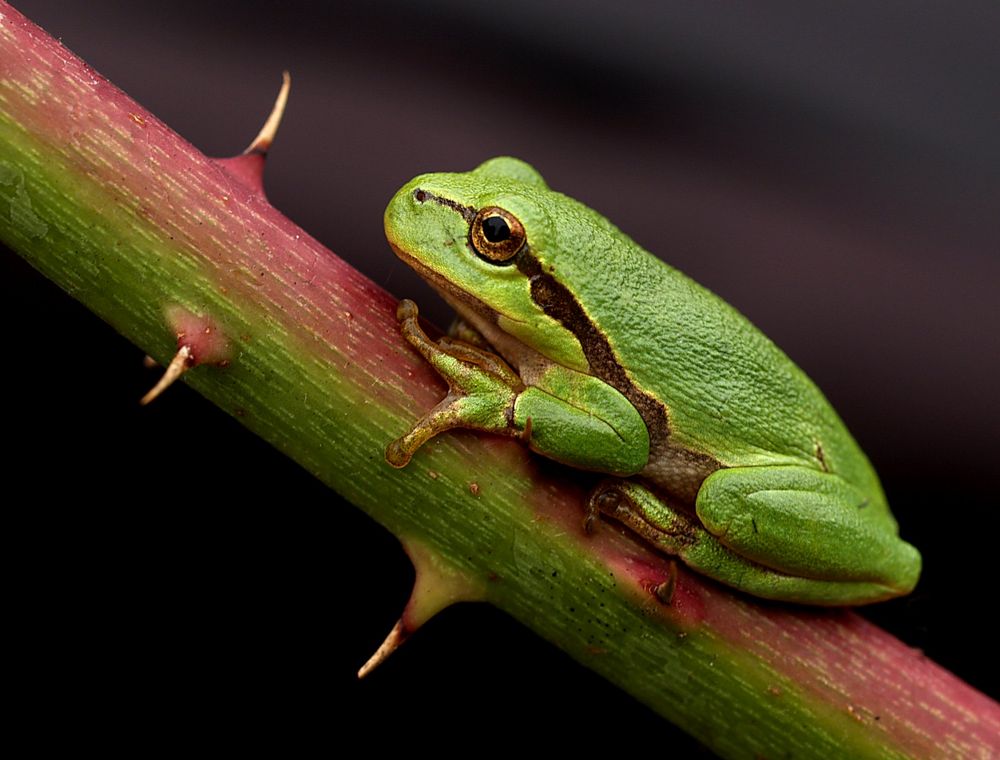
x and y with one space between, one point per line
495 229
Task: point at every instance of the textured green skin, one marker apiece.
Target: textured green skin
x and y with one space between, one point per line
794 500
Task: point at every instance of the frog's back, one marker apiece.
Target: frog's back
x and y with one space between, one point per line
729 391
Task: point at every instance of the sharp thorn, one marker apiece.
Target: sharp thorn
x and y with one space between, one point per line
262 142
149 362
392 642
178 366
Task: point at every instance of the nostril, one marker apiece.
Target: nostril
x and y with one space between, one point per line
419 195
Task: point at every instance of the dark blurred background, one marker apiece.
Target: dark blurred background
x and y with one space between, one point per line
833 170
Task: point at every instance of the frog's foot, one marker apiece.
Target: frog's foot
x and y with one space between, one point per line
482 389
644 512
612 498
605 499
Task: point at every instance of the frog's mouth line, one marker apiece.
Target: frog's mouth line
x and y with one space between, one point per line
458 299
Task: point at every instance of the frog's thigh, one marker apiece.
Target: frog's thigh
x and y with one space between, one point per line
677 533
805 523
598 430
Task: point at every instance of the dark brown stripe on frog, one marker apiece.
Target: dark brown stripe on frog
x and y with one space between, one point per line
560 304
468 212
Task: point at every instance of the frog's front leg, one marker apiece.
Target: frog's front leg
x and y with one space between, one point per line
482 388
565 415
774 532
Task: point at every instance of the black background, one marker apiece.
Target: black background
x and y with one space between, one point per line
833 171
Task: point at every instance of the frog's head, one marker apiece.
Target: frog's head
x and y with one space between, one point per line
479 238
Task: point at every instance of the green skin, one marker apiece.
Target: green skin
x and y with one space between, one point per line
721 451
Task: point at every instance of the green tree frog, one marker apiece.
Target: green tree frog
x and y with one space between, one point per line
718 449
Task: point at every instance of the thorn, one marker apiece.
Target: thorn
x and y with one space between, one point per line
149 362
392 642
262 142
664 591
436 587
181 362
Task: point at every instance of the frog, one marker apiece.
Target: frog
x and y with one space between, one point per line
711 444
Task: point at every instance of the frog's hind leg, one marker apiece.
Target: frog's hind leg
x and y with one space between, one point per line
681 534
809 523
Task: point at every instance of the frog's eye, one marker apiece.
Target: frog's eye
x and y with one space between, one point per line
496 234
